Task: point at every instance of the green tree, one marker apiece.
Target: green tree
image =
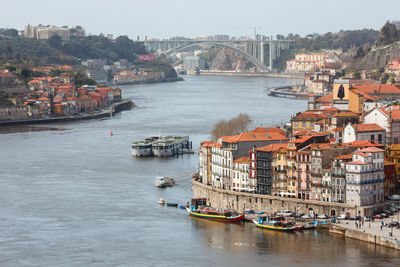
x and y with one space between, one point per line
10 33
388 34
55 41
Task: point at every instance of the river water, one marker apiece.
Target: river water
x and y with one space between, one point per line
72 195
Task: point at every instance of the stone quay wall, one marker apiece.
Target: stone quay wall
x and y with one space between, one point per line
19 113
239 201
366 237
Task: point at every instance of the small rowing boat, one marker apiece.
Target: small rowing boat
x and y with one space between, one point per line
171 204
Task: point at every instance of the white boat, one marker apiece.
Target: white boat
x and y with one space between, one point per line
161 201
162 181
169 146
143 148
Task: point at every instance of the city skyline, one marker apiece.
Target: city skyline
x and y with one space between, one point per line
160 19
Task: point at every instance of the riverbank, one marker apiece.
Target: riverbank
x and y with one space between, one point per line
110 110
250 74
165 80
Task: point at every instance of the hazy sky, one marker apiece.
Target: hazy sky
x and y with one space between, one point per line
167 18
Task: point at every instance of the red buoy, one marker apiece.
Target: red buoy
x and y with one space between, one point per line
111 133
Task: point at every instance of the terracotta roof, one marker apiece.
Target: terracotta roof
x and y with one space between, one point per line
325 99
359 153
362 143
345 113
301 140
309 114
322 146
371 149
258 134
378 88
348 156
368 127
43 99
339 129
272 147
242 160
207 144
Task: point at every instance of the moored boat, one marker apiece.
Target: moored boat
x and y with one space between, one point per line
170 145
161 201
285 226
141 148
171 204
162 181
215 215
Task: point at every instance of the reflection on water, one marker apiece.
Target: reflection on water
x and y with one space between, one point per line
78 197
27 128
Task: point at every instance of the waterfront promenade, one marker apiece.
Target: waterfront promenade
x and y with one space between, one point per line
371 231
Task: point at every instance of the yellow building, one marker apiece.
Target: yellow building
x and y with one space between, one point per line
306 120
279 187
393 155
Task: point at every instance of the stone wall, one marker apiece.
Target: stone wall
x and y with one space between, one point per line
239 201
19 112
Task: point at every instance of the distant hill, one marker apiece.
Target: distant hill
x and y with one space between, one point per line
32 52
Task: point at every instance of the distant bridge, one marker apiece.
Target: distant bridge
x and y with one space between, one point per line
252 50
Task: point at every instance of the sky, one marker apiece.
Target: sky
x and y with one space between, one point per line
168 18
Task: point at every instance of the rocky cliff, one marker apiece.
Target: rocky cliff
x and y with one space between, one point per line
226 59
379 57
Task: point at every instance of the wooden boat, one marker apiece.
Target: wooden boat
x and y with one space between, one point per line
170 204
310 226
285 226
215 215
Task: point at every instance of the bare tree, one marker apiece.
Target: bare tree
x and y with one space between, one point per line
234 126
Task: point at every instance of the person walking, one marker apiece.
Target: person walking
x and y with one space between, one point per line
356 225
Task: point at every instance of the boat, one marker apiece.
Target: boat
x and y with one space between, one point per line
169 146
171 204
161 201
143 148
285 226
310 225
214 214
162 181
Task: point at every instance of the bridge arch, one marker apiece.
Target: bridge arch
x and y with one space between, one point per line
246 55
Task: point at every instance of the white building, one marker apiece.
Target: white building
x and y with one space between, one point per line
240 179
368 131
387 118
221 167
327 185
365 177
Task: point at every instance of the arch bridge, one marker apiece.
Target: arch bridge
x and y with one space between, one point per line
252 50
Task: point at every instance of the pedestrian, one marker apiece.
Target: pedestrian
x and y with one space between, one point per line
381 227
362 223
356 225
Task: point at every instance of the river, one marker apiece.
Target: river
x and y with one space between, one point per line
72 195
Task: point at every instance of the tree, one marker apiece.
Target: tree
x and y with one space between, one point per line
55 41
388 34
10 33
9 52
26 73
360 53
234 126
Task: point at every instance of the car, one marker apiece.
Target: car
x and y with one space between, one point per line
298 215
307 216
322 216
384 215
367 219
342 216
285 213
388 212
394 197
393 224
378 216
353 218
393 209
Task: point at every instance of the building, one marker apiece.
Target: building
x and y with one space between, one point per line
205 162
310 62
326 185
100 76
390 181
387 118
338 177
240 179
45 32
370 131
304 174
365 177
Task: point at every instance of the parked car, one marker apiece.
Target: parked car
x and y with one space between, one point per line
342 216
298 215
384 215
388 212
322 216
393 224
378 216
394 197
367 219
307 216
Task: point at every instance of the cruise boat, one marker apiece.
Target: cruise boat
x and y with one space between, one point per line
285 226
143 148
169 146
162 181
